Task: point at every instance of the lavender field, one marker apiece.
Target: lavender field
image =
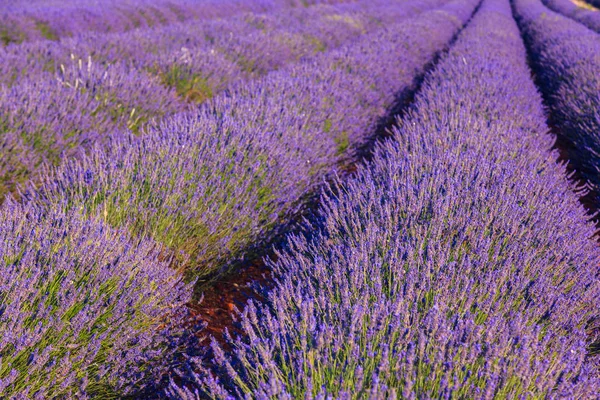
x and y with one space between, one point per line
299 199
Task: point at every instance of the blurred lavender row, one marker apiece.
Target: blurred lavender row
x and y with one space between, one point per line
231 171
457 264
84 312
141 47
565 57
52 20
51 116
579 11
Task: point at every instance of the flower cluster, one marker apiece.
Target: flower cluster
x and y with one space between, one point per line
35 20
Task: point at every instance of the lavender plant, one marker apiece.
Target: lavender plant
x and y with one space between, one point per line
232 170
565 57
457 264
84 311
323 26
580 12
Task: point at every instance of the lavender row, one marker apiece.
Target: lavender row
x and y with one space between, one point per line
457 264
54 117
580 12
262 43
85 312
102 355
140 47
565 57
44 21
230 171
36 21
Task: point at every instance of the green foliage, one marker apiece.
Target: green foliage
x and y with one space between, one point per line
189 85
46 31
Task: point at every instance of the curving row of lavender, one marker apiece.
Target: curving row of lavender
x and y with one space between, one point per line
84 311
565 58
582 13
234 168
52 20
51 116
457 264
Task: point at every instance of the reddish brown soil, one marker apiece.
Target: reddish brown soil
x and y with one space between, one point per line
230 293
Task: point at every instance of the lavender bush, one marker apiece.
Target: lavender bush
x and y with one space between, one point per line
458 264
565 57
83 310
230 171
580 12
